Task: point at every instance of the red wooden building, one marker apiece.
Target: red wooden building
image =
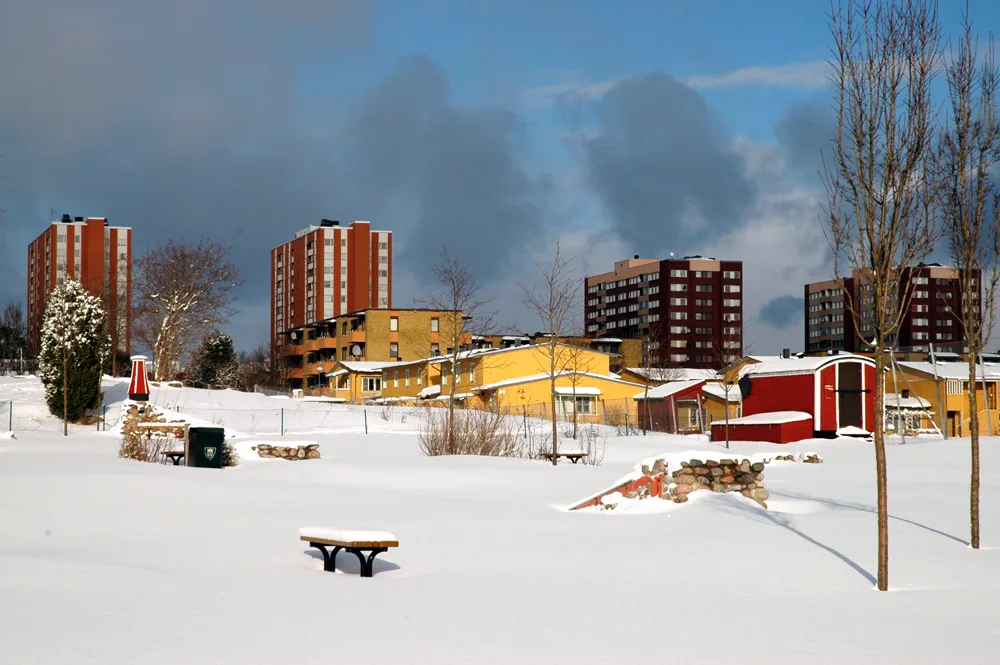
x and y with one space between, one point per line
836 390
776 427
674 407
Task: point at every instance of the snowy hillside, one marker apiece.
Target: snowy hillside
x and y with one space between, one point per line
116 562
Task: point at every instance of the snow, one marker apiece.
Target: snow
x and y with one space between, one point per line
778 366
675 373
345 535
851 430
668 389
990 371
366 366
716 390
109 561
771 418
578 390
430 391
897 401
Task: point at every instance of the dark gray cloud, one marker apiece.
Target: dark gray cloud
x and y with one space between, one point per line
804 133
446 174
228 118
660 154
782 311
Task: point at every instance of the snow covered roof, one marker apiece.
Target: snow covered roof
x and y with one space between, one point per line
538 377
668 389
429 391
715 390
363 366
778 366
771 418
990 371
674 373
579 390
895 400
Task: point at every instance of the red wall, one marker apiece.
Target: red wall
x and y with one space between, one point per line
782 433
780 393
869 398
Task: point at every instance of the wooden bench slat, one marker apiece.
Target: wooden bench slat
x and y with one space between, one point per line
351 543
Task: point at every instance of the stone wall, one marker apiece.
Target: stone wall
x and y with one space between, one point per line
723 475
310 451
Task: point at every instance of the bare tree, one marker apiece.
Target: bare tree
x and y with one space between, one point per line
555 303
724 360
184 292
878 177
255 368
969 148
464 311
653 365
13 336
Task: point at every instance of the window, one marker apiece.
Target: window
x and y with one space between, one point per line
921 335
954 387
919 280
703 316
920 294
406 378
703 331
435 325
393 350
678 316
731 288
581 405
679 330
703 288
678 343
920 322
730 274
420 375
944 322
678 287
679 302
703 302
395 378
371 384
678 357
472 372
678 273
920 308
435 350
394 324
730 302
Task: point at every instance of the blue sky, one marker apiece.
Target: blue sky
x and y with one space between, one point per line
639 126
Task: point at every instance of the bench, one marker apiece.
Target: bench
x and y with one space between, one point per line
573 456
353 541
175 455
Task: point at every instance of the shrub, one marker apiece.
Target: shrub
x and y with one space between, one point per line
230 456
477 432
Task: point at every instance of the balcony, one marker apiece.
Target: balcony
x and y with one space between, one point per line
291 350
354 337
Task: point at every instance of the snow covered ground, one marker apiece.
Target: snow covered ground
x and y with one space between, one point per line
110 562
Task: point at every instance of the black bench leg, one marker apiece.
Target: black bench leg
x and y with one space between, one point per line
574 460
177 460
329 558
366 564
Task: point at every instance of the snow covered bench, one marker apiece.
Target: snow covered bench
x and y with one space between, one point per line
355 542
573 456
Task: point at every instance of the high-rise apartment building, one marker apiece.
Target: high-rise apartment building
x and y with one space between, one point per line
689 310
936 295
92 252
329 270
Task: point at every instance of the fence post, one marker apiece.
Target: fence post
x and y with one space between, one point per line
365 411
627 432
10 416
104 417
282 422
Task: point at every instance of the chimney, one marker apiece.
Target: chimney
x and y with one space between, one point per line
66 219
636 256
78 219
786 353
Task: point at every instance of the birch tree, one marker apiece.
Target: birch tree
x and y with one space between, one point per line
969 149
577 362
463 311
555 302
879 218
183 293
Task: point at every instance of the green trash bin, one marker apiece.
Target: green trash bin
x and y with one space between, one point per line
204 447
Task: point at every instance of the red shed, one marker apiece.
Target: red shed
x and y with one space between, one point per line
836 390
776 427
674 407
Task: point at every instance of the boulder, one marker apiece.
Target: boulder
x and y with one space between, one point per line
759 494
717 472
728 480
711 463
682 488
745 466
702 470
703 480
685 480
680 498
757 467
694 462
746 478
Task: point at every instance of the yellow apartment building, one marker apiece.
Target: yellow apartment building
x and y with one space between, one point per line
515 378
306 355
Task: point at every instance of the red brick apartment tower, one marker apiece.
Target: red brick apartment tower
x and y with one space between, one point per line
92 252
936 295
327 271
696 301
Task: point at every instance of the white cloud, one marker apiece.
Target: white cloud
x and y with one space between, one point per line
802 75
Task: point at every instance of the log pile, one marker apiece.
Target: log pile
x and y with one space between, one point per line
266 450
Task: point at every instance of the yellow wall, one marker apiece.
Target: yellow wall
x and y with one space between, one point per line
532 395
923 385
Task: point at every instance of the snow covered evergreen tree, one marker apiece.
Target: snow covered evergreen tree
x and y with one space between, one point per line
215 364
75 344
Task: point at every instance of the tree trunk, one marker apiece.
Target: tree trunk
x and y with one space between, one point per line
725 394
552 399
645 403
574 409
65 396
451 414
880 471
974 442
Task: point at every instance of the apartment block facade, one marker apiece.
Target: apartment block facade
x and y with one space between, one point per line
935 295
327 271
309 352
689 310
92 252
